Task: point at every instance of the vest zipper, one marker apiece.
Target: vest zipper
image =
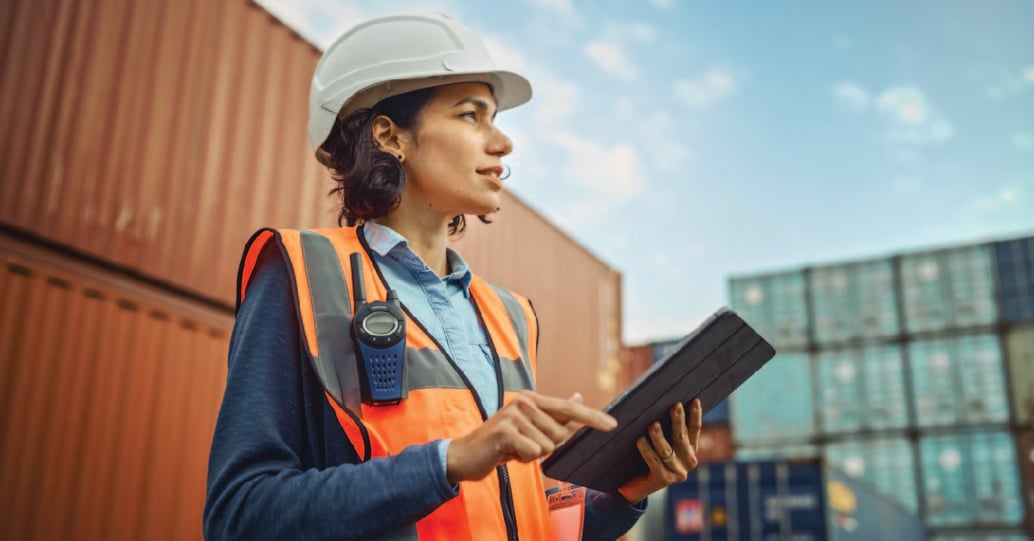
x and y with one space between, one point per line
505 489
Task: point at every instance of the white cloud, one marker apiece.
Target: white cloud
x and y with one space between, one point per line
1006 197
558 5
610 57
608 174
1023 141
851 96
912 118
1010 82
663 5
706 90
842 41
638 32
318 21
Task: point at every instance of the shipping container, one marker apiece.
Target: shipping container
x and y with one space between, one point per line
775 306
948 289
861 389
110 392
959 380
984 535
970 478
1015 276
1019 352
782 500
1026 457
888 464
715 444
775 405
853 301
797 451
157 135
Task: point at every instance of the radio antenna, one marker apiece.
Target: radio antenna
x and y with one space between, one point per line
358 287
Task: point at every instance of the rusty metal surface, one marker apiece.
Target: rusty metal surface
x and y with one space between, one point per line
156 135
109 397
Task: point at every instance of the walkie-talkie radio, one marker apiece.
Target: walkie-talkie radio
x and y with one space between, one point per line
379 333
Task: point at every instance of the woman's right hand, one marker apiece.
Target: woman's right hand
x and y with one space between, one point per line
528 428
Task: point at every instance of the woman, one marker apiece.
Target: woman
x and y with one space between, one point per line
320 439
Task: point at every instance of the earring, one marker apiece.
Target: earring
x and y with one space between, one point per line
401 158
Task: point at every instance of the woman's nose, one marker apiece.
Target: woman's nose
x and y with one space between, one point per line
499 143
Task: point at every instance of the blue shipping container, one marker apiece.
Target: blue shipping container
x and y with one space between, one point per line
775 405
803 501
990 535
1014 271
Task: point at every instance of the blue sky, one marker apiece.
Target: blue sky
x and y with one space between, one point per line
683 142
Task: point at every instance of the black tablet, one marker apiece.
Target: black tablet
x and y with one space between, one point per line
709 364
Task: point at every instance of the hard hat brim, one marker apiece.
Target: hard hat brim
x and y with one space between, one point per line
510 90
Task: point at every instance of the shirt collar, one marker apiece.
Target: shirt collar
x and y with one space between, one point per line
387 242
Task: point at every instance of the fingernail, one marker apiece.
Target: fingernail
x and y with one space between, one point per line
612 422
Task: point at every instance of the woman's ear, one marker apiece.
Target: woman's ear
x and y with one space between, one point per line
387 135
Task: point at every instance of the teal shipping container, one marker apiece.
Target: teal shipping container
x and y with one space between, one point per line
854 301
775 405
861 389
888 464
970 478
959 381
782 501
1019 354
775 306
989 535
948 289
793 451
1015 276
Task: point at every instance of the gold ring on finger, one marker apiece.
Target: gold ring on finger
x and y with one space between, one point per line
669 457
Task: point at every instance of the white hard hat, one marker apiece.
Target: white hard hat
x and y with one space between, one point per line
391 55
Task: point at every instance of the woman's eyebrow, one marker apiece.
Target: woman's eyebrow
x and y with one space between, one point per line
476 102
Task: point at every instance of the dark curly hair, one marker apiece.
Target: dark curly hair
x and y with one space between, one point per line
369 180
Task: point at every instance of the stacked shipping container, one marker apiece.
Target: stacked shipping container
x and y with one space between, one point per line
914 372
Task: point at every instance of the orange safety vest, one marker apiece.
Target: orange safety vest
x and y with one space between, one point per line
441 402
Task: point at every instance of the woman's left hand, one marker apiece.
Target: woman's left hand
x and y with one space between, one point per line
669 462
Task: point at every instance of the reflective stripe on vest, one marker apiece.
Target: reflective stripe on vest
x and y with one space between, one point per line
440 404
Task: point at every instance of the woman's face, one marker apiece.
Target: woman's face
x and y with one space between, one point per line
454 159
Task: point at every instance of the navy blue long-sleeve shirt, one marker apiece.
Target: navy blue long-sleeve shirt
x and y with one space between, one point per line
280 465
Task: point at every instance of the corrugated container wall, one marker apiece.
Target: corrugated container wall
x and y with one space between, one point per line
886 463
861 389
853 301
948 289
1026 457
959 381
160 135
157 135
782 500
775 306
110 395
1019 351
970 478
776 404
1015 274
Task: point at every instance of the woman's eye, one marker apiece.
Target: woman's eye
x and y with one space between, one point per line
469 114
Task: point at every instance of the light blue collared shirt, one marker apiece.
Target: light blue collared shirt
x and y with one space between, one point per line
442 305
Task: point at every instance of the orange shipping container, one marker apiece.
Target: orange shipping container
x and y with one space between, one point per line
110 395
159 135
715 444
